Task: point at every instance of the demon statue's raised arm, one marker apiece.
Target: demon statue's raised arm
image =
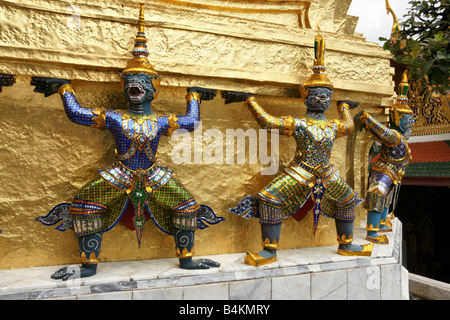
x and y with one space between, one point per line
135 181
386 173
309 181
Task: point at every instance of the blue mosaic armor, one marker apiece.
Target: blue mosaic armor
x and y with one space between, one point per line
389 168
136 171
136 136
135 188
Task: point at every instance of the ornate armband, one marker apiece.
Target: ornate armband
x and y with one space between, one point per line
343 107
366 119
345 124
286 124
99 118
250 100
65 88
173 123
387 136
193 95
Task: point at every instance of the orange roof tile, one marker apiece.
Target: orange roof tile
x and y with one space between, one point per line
435 151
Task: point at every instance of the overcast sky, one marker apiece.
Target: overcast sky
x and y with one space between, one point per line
374 21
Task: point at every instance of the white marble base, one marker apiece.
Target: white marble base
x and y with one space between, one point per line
306 274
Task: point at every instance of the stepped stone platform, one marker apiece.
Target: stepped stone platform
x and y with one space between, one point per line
298 274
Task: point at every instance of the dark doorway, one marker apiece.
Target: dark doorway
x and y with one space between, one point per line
425 214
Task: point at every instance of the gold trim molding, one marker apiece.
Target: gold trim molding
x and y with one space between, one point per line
190 43
300 8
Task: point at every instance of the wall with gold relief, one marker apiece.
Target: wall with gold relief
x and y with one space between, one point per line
263 47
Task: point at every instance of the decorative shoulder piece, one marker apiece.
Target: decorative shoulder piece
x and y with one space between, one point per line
288 125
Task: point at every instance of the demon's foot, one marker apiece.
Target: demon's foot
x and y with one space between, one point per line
355 250
260 258
188 263
65 273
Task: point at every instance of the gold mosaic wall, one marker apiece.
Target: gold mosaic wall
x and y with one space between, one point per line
263 47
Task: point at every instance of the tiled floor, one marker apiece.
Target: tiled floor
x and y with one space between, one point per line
306 273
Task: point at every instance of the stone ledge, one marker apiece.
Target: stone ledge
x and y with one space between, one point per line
429 289
305 273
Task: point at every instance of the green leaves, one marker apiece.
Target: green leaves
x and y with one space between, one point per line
422 44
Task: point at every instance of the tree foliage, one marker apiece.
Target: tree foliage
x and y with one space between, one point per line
422 42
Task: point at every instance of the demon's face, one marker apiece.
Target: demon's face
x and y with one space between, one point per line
405 124
319 99
138 88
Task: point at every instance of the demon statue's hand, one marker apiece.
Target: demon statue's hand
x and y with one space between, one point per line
351 104
47 86
188 263
234 96
6 80
206 94
358 122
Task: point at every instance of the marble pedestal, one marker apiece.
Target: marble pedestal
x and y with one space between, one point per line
306 274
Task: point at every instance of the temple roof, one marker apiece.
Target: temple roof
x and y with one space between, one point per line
430 164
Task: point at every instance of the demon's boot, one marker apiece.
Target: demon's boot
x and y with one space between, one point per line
89 246
270 237
373 226
345 238
184 246
385 223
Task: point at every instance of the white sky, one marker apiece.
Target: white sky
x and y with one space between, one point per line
374 22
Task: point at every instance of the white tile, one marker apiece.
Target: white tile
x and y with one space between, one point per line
138 270
158 294
405 284
259 289
391 273
292 288
391 282
329 285
218 291
63 298
126 295
364 283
